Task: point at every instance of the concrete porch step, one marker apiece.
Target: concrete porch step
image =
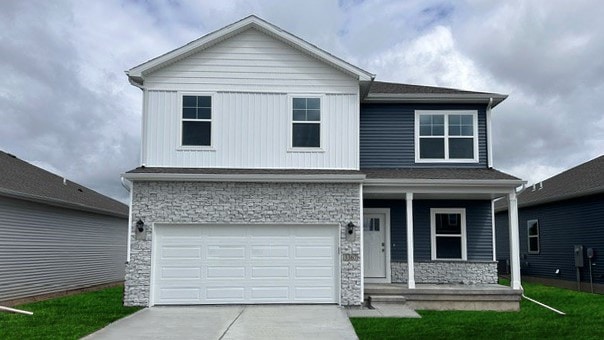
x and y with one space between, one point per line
387 299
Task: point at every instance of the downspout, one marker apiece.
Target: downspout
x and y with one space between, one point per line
13 310
128 186
543 305
489 135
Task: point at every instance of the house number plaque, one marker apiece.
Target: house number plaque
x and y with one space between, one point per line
350 257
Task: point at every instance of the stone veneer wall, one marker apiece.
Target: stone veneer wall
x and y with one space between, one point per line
467 272
237 202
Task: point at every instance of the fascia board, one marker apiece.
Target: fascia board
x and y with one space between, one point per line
230 30
58 203
434 98
505 185
246 178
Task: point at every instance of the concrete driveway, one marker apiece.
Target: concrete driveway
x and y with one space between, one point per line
232 322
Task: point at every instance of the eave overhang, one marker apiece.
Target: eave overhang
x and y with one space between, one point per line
434 98
291 178
58 203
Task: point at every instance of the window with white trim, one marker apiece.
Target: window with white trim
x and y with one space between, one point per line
532 228
306 122
196 120
448 231
450 136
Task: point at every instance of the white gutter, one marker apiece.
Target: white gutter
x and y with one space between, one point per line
128 240
506 183
8 309
489 135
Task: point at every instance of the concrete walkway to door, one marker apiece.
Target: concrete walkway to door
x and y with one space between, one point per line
232 322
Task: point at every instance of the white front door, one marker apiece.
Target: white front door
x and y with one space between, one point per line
375 245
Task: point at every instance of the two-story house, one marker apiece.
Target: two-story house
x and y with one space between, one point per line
275 172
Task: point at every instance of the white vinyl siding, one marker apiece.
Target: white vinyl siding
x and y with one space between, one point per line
46 249
251 130
251 61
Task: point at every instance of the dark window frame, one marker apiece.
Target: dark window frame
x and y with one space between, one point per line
200 112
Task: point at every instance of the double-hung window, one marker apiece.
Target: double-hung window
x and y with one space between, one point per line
306 122
196 120
532 227
448 229
450 136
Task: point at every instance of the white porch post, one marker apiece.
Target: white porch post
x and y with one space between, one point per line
410 263
514 240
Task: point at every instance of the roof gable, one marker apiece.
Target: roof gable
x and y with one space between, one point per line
20 179
137 73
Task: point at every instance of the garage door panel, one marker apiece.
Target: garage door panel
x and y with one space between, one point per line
183 252
223 252
181 272
264 272
273 252
225 272
297 265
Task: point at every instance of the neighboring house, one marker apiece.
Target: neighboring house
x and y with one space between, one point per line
556 215
55 235
275 172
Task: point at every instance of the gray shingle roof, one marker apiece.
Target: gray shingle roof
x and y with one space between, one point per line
582 180
21 179
396 88
437 173
418 173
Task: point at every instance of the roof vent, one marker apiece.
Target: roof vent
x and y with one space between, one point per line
533 187
64 181
540 185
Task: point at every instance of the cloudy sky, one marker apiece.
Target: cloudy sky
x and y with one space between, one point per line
66 105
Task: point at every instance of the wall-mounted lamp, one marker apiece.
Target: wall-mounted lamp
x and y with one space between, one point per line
350 228
140 225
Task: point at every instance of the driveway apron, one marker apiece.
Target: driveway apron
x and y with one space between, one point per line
232 322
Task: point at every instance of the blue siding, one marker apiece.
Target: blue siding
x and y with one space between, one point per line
387 135
478 227
561 225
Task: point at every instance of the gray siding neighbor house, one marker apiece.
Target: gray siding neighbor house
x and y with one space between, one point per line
275 172
556 215
55 235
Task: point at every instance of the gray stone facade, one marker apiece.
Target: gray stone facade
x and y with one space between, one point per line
243 203
466 272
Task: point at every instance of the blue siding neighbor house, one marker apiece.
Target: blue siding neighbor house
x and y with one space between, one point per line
556 215
328 183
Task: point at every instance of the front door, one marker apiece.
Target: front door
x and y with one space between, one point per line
375 245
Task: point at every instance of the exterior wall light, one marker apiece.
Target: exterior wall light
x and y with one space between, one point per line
140 225
350 228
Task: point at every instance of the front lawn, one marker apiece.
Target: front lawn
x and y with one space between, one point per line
68 317
584 320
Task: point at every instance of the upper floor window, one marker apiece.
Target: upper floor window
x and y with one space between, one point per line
196 120
450 136
306 122
533 236
448 229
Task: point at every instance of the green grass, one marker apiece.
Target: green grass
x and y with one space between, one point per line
584 320
69 317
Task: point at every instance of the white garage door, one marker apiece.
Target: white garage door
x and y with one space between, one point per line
221 264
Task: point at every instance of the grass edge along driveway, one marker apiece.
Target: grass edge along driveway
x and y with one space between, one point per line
67 317
584 320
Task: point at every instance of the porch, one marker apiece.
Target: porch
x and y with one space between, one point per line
445 296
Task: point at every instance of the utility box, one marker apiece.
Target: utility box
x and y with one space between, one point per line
579 256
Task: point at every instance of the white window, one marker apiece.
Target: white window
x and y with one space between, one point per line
448 231
196 120
532 227
446 136
306 122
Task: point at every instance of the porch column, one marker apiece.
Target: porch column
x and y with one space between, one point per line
410 263
514 240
